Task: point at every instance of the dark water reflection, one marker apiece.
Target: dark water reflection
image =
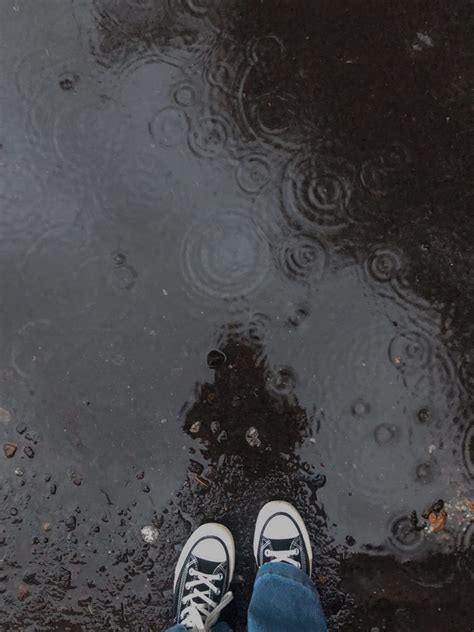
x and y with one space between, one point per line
235 257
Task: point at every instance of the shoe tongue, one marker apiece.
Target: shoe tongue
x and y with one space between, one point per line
282 545
206 566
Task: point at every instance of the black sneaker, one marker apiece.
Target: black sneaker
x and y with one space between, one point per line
202 577
281 536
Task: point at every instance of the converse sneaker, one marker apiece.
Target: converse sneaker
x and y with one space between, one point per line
202 577
281 536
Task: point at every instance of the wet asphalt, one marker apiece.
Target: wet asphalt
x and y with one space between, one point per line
236 265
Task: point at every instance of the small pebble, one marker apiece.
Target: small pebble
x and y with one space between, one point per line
216 358
10 450
28 451
195 427
252 437
70 523
150 534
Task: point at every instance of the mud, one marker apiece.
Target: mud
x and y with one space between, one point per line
235 265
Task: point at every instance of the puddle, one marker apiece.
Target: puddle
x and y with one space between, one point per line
236 253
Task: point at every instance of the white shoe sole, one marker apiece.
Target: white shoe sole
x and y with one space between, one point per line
276 507
210 529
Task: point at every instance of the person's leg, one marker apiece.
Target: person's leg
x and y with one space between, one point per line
284 598
202 579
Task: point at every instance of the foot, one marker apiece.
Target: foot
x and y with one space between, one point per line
281 536
202 577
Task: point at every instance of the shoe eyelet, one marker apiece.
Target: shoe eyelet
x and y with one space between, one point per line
296 551
218 592
220 577
186 586
267 553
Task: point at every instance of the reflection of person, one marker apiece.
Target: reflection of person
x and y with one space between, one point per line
284 598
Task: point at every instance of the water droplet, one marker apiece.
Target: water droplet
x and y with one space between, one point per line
360 408
68 81
184 95
424 472
385 434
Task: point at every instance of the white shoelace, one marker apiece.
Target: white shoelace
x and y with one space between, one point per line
196 616
283 556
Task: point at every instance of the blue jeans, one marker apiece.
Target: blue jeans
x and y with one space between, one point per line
284 599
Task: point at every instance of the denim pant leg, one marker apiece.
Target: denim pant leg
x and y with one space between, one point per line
219 627
284 598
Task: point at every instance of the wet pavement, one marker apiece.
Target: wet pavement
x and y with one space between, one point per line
236 265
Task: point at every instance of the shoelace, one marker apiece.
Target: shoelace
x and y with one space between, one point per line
284 556
196 616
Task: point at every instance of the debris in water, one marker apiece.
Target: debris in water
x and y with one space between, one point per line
469 504
150 534
10 450
202 481
195 427
216 358
437 521
252 437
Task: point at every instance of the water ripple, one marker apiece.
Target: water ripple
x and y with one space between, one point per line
208 136
169 127
253 173
302 257
468 450
226 257
317 191
391 169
